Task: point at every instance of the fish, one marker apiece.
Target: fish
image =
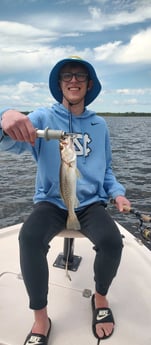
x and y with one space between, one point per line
68 180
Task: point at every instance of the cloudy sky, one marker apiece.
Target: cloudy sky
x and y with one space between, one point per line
113 35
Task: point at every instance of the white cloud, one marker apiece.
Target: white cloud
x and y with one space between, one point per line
106 51
100 20
13 34
138 92
41 38
28 54
138 50
25 95
131 101
26 47
31 54
15 60
93 19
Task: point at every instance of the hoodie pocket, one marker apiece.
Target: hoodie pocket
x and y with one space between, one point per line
86 191
54 191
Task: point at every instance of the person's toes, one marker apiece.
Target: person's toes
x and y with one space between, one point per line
104 329
99 331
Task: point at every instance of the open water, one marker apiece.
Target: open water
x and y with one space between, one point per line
131 148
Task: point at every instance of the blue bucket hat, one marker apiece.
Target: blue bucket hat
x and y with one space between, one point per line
54 79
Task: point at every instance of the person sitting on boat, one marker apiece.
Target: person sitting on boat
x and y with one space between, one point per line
74 84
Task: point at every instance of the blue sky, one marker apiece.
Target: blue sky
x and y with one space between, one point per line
113 35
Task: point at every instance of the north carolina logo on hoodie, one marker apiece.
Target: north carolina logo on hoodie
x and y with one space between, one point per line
81 143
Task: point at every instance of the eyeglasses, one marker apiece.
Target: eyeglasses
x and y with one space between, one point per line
67 76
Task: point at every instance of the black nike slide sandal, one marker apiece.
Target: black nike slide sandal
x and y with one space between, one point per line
101 315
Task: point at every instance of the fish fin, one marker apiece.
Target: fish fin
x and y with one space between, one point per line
73 222
76 203
78 174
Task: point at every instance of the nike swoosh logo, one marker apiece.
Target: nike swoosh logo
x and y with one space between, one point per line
94 123
102 314
34 340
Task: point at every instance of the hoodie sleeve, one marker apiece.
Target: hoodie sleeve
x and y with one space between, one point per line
10 145
112 187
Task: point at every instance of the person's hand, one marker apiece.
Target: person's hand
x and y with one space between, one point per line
122 203
18 126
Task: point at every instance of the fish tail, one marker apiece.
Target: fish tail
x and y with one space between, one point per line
73 222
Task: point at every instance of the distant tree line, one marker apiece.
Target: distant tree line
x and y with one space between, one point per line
111 114
124 114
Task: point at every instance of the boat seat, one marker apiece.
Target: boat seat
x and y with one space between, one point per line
70 233
68 258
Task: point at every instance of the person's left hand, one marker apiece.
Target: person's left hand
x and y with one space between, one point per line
122 203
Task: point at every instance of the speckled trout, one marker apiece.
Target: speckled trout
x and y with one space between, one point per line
68 178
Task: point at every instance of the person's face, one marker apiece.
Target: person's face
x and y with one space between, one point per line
74 87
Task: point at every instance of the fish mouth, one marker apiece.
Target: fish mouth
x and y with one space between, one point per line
62 144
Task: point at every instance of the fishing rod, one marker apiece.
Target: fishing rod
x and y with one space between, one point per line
143 217
48 134
144 230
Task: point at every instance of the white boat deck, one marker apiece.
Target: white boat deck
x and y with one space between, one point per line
70 312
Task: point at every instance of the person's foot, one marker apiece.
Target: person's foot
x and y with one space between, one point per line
39 333
41 327
105 328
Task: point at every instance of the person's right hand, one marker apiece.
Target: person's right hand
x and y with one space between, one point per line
18 126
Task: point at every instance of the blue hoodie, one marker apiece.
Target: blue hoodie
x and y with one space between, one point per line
96 182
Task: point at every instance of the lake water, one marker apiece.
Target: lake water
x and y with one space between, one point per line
131 148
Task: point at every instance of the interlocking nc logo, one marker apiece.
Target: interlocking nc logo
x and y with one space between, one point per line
34 340
81 143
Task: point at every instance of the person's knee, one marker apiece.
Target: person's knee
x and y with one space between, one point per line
116 246
25 236
112 245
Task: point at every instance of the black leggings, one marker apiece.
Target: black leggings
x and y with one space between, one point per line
43 224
